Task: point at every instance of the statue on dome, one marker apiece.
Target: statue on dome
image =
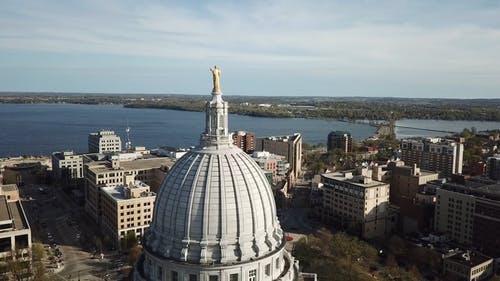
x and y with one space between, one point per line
216 75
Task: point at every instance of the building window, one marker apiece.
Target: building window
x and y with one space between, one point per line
193 277
175 276
268 270
277 263
252 275
233 277
213 278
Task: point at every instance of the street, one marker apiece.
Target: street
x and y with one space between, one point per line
68 236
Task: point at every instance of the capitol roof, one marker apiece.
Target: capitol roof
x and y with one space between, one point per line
215 206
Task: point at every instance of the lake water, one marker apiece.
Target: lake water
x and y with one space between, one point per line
40 129
445 125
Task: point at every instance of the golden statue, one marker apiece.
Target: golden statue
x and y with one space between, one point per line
216 74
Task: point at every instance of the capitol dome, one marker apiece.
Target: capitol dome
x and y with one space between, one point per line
215 217
215 206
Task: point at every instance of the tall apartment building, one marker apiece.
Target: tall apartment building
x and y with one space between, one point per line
244 140
356 202
67 166
126 209
493 167
108 173
339 140
288 146
434 154
15 232
104 141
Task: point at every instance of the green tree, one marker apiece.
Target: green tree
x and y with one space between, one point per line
37 254
347 247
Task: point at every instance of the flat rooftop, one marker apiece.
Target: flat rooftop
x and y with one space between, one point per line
118 192
20 221
355 180
8 187
490 191
471 259
4 209
147 163
13 211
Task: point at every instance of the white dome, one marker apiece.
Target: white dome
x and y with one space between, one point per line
215 206
214 216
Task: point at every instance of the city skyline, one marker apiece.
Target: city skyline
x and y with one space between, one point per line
269 48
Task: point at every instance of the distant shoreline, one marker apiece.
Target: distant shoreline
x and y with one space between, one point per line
341 109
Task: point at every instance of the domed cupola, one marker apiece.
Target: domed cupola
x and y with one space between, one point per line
215 205
214 216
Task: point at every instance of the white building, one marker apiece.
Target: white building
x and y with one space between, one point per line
215 217
104 141
67 166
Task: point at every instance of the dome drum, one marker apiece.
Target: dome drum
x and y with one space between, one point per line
279 265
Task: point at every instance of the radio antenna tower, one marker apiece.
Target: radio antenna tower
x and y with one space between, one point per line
128 143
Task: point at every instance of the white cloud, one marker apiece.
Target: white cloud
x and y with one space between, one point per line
369 37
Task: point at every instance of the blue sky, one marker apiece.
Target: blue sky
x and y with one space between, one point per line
398 48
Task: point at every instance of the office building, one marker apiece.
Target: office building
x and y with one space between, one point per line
434 154
215 217
104 141
339 140
244 140
493 167
405 182
67 166
468 210
126 210
356 202
288 146
111 173
15 232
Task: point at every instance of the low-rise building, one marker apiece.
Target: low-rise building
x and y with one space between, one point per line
126 209
356 202
15 232
276 164
467 266
288 146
